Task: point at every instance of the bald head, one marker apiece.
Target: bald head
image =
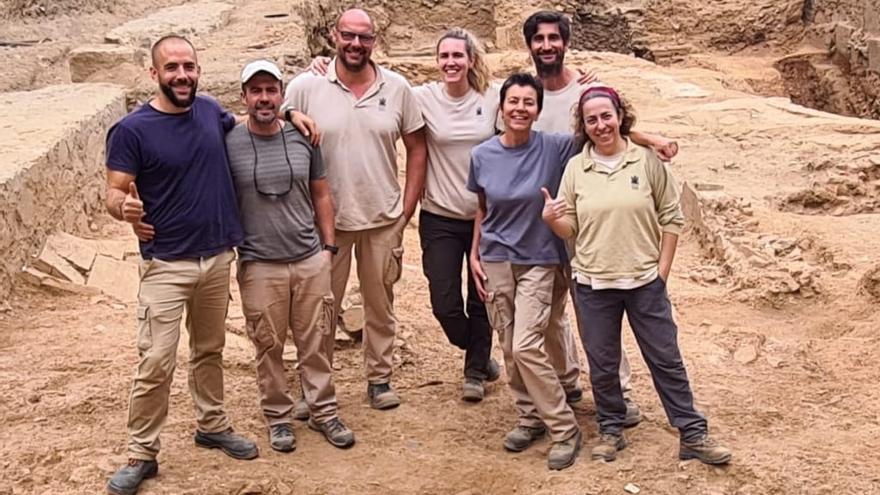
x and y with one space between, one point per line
355 18
171 41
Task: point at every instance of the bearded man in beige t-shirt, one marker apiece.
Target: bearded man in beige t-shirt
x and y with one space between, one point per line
362 109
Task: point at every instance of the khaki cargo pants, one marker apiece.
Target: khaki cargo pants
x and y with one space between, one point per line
379 254
276 296
166 288
520 301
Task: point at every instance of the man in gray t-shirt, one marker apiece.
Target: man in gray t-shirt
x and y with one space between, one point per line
284 271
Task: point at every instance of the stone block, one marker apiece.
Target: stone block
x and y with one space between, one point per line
115 278
79 252
843 33
193 19
106 63
874 54
51 165
50 262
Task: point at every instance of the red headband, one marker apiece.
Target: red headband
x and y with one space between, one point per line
601 90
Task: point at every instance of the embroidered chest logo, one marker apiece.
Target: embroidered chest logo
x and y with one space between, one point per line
634 182
479 111
382 103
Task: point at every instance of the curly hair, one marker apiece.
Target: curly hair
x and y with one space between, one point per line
625 113
478 75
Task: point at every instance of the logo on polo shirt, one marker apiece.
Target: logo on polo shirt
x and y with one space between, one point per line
479 111
634 182
382 104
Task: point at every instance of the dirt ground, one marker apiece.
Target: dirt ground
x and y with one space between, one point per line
775 291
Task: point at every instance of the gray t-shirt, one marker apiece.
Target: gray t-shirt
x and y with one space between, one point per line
277 226
511 179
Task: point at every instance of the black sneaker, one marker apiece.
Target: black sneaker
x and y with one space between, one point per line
472 390
493 370
128 478
382 396
335 432
633 413
232 444
281 437
574 396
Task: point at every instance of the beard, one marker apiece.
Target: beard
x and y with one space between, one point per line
262 119
358 66
168 91
552 69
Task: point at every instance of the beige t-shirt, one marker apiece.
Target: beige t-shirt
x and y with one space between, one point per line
454 127
359 138
558 112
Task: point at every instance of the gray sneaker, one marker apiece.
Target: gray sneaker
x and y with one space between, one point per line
335 432
281 437
231 443
633 413
493 370
563 454
472 390
128 478
301 410
522 437
705 449
606 449
382 396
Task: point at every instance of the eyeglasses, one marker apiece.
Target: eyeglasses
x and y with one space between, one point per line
289 167
366 39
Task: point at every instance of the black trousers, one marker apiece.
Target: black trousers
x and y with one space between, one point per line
446 244
650 316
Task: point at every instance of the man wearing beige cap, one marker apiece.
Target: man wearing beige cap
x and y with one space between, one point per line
284 259
362 109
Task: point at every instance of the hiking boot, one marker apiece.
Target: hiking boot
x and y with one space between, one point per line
231 443
472 390
607 447
574 396
705 449
382 396
633 413
301 410
128 478
563 454
281 437
335 432
521 437
493 370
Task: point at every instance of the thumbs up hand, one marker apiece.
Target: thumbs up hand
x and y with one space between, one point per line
554 209
132 206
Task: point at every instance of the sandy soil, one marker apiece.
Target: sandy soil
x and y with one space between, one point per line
786 373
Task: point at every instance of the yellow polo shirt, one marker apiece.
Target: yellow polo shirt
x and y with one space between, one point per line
619 217
359 141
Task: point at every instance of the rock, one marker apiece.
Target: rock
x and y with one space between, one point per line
705 186
774 361
250 488
115 278
632 488
746 354
189 20
106 63
51 263
79 252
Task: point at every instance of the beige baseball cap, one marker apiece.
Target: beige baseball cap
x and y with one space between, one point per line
251 69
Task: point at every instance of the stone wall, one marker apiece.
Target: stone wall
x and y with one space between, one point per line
51 165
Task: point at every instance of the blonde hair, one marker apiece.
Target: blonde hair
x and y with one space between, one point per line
478 75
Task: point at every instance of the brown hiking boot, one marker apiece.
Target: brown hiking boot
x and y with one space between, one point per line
705 449
633 413
521 437
606 449
563 454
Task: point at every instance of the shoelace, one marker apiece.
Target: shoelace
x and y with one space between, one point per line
335 426
282 429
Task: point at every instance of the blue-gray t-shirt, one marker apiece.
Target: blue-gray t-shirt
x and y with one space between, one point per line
182 175
511 180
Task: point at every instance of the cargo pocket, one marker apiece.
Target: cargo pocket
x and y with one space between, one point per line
498 317
395 266
145 331
325 319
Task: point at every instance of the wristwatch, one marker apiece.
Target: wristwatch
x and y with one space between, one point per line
334 250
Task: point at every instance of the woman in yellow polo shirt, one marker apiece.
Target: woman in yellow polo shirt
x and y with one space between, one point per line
621 206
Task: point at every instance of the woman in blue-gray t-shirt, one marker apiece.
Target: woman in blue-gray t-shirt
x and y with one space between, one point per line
516 258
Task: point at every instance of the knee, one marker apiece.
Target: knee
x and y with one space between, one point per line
156 367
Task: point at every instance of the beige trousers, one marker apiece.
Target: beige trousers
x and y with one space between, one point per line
278 296
379 265
166 288
520 301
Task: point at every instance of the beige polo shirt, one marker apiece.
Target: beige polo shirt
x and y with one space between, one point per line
619 216
454 126
558 112
359 141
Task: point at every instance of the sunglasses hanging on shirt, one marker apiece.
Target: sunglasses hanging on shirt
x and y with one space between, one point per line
256 166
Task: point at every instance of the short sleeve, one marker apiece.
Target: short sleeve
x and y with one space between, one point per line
472 184
566 146
123 150
227 120
316 165
411 119
295 94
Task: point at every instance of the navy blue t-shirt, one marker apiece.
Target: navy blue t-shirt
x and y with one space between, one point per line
182 175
